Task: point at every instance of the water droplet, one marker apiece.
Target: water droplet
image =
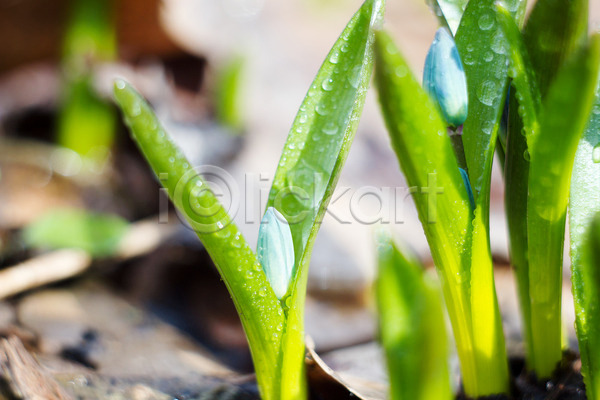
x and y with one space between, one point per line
486 22
249 274
468 59
488 56
136 109
596 154
120 83
487 93
322 109
401 71
327 85
526 155
335 57
355 76
330 128
262 292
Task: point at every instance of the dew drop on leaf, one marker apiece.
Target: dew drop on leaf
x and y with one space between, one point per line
486 22
330 128
327 85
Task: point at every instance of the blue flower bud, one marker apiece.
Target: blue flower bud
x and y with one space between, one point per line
444 79
275 251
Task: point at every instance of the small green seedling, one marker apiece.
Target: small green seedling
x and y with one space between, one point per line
412 326
86 122
269 287
552 69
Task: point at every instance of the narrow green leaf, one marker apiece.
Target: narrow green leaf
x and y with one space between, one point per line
521 72
98 234
412 327
552 32
311 162
584 204
257 305
427 159
481 46
564 117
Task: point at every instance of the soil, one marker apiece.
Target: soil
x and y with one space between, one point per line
567 383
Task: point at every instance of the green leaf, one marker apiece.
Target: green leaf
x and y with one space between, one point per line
481 45
412 327
521 72
98 234
584 206
427 159
554 30
552 151
314 153
259 309
552 33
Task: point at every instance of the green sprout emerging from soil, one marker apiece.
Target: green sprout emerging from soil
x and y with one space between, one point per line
494 83
269 287
551 67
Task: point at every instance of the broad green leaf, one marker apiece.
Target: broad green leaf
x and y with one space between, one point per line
552 151
584 204
98 234
480 43
258 307
427 159
311 162
412 327
552 32
449 12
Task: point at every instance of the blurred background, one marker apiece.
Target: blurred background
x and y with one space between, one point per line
143 312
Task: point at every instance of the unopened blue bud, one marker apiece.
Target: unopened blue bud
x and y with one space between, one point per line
275 251
444 79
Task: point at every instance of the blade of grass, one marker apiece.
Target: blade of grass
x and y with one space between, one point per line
257 305
427 160
412 328
564 116
551 34
584 204
314 153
